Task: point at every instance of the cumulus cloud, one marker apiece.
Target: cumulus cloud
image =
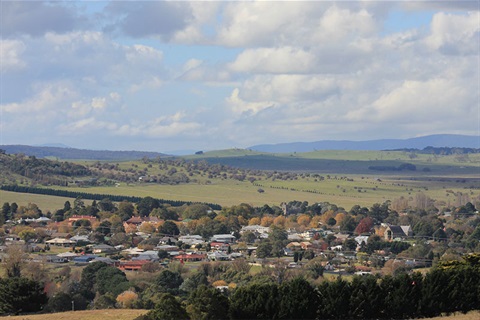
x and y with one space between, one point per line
455 34
150 18
10 55
274 60
36 18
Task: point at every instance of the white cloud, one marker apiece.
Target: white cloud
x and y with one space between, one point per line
10 55
455 34
240 106
274 60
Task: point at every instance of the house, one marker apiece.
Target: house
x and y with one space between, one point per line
258 230
225 238
77 217
191 240
132 265
221 246
189 257
103 248
80 238
397 232
149 255
61 242
81 260
166 247
218 256
69 256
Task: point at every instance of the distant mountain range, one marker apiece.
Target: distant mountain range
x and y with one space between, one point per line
72 153
438 140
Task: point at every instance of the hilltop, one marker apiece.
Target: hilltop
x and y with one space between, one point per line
85 154
438 140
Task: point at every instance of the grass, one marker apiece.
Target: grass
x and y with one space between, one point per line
347 180
109 314
129 314
45 203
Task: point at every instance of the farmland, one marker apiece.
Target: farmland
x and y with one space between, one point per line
340 177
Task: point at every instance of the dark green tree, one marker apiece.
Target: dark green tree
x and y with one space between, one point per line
335 297
298 298
167 307
255 301
146 205
21 295
168 281
169 228
207 303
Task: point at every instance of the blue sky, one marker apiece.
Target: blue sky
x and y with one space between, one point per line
180 75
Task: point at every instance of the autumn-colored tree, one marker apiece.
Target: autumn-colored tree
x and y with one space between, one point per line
314 223
364 226
254 221
327 215
303 220
266 221
220 283
279 221
127 298
339 218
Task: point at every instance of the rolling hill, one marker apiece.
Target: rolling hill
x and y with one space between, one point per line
439 140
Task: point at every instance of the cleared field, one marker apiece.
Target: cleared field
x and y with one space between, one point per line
339 177
341 190
45 203
110 314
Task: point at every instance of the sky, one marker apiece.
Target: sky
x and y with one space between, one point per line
167 76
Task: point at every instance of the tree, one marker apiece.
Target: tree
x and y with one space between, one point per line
348 224
111 279
14 261
127 299
106 205
255 301
168 281
21 295
207 303
5 215
264 249
89 278
194 281
167 307
125 210
364 226
298 299
60 302
162 254
169 228
146 205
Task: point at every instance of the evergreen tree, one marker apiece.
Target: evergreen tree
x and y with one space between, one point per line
207 303
298 298
167 307
255 301
21 295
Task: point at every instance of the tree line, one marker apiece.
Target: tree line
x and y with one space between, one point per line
449 287
94 196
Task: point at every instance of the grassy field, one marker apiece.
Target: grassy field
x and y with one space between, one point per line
345 179
45 203
110 314
127 314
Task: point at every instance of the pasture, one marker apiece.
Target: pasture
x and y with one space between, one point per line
339 177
